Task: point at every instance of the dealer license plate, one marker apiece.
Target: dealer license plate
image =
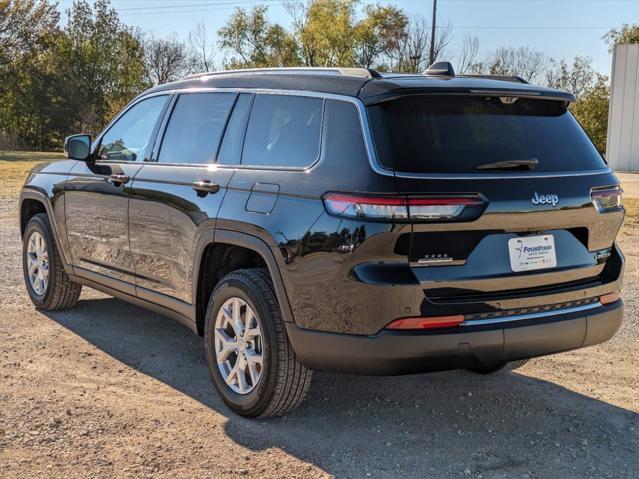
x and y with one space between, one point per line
532 252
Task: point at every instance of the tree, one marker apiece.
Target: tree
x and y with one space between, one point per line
23 26
523 61
576 78
378 34
591 110
30 86
166 59
412 52
325 31
201 50
105 61
255 42
627 34
467 62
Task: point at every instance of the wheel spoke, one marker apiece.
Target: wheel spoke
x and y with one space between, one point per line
253 358
238 325
231 378
228 345
253 373
241 374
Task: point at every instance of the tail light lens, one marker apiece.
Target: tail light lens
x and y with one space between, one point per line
607 199
426 322
609 298
398 207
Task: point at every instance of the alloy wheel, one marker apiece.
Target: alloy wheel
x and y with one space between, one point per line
38 263
238 345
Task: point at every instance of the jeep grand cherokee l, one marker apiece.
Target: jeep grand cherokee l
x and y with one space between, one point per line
338 220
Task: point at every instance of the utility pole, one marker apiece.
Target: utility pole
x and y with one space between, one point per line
431 57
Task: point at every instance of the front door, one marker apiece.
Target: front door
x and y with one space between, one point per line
97 196
178 196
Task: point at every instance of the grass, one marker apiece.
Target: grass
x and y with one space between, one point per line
15 165
30 156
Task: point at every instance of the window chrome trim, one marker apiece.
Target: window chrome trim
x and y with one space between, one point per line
521 317
366 134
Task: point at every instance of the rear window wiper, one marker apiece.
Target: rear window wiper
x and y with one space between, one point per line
524 164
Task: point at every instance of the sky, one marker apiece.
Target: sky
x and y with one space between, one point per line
559 28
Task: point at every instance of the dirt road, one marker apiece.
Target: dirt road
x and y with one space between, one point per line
110 390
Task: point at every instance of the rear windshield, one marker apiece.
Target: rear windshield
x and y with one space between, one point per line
428 134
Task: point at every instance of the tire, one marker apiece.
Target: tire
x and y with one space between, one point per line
58 292
283 381
499 367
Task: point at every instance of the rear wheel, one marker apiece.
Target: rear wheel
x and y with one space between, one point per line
48 285
250 359
499 367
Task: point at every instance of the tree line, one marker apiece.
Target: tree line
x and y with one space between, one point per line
58 79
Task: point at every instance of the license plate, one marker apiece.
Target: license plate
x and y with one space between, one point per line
532 252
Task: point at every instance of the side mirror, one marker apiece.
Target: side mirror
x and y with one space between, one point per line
78 147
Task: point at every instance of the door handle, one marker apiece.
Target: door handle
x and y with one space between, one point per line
204 187
119 179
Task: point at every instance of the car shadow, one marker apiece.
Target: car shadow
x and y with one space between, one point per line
506 425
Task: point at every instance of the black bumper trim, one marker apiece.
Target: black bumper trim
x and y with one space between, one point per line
406 352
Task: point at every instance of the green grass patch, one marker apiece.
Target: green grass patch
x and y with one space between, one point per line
30 156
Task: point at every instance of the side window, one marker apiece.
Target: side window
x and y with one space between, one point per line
283 130
195 128
129 136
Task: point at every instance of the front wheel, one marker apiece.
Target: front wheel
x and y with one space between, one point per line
48 285
503 366
250 360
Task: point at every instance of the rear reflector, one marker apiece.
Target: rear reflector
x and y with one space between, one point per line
432 322
607 199
609 298
397 207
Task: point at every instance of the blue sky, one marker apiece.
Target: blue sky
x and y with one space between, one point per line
559 28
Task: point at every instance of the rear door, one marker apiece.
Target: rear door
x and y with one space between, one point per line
97 196
513 180
178 194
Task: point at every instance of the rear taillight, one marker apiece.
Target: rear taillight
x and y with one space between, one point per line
607 199
426 322
398 207
609 298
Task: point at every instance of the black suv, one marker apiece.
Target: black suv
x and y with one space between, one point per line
338 220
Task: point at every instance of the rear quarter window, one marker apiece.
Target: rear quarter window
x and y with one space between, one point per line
455 134
283 131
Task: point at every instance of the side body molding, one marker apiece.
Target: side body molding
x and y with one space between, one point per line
250 242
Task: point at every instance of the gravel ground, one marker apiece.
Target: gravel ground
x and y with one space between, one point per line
110 390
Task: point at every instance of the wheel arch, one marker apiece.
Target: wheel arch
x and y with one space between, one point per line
32 202
250 251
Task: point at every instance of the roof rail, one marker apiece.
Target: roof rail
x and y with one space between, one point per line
353 72
512 78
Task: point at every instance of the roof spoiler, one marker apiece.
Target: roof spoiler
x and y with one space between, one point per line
511 93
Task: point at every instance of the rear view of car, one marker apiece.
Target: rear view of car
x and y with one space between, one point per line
508 216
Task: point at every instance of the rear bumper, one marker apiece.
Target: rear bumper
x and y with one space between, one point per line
405 352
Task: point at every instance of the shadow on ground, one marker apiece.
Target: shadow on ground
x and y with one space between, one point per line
455 422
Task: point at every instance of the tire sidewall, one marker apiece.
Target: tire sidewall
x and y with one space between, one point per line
37 223
255 402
